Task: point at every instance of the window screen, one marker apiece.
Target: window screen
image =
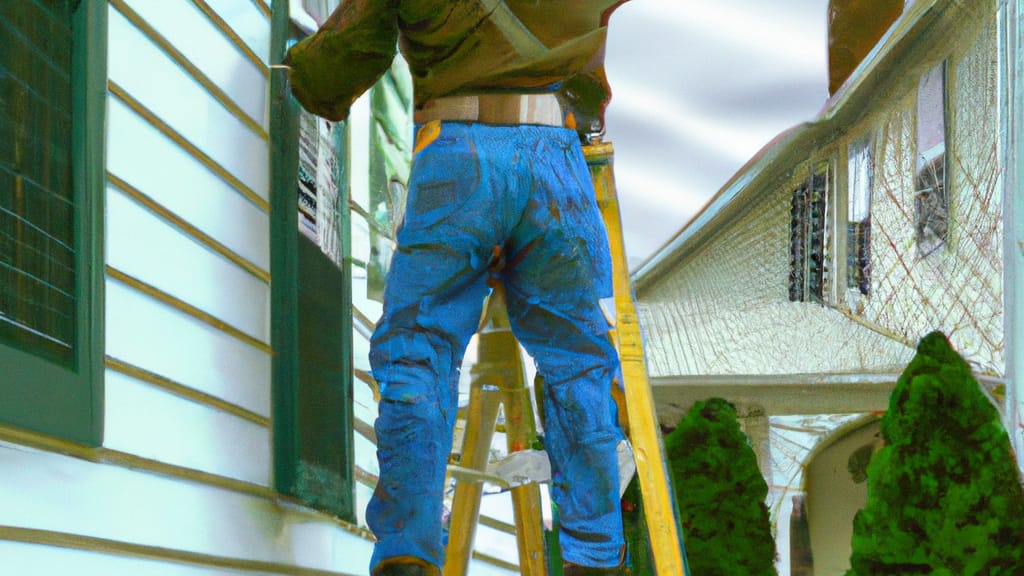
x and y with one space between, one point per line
808 238
37 207
52 119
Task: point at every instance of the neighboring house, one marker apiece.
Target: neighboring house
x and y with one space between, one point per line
802 289
183 390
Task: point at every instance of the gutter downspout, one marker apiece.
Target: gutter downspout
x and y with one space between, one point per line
1012 104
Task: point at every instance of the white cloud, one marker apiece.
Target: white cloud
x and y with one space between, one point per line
717 134
699 87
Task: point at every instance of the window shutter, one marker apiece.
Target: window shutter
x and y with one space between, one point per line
798 231
817 217
52 108
311 301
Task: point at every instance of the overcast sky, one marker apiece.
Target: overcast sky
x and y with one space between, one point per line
699 86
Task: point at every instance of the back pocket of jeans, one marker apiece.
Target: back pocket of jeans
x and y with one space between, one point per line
445 175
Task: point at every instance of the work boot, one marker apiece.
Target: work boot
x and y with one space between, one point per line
405 566
570 569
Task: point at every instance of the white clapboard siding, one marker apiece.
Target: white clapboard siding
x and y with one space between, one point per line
366 413
142 245
496 543
489 541
144 420
360 248
247 22
360 352
366 454
151 163
492 541
359 154
363 494
365 407
478 568
370 308
149 76
128 506
153 336
22 558
199 40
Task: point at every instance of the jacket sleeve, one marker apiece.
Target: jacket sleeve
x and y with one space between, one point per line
332 68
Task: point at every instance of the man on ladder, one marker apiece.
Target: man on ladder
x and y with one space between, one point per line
505 91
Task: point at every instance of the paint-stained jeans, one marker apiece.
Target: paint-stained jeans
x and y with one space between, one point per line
526 189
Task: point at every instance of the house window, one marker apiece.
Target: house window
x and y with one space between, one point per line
52 78
861 175
797 243
931 206
808 238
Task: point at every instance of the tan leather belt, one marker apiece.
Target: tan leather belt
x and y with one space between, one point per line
543 109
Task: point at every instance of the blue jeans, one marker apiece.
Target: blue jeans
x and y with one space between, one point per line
527 190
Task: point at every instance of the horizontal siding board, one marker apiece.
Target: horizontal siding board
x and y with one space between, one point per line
247 22
46 491
360 238
478 568
495 542
359 135
143 246
155 337
366 455
149 161
26 558
360 352
369 308
149 422
363 402
365 413
362 391
363 494
150 76
199 40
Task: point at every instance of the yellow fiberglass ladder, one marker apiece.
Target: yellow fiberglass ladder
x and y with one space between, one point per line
498 377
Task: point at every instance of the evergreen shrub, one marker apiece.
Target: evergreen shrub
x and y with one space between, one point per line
720 495
944 494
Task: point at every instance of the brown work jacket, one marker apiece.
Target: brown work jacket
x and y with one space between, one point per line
459 47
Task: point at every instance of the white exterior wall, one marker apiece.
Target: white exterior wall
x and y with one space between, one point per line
959 288
724 308
183 482
717 306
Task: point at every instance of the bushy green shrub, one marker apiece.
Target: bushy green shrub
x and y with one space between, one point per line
944 494
720 495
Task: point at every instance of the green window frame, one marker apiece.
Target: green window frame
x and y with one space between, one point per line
51 186
311 319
